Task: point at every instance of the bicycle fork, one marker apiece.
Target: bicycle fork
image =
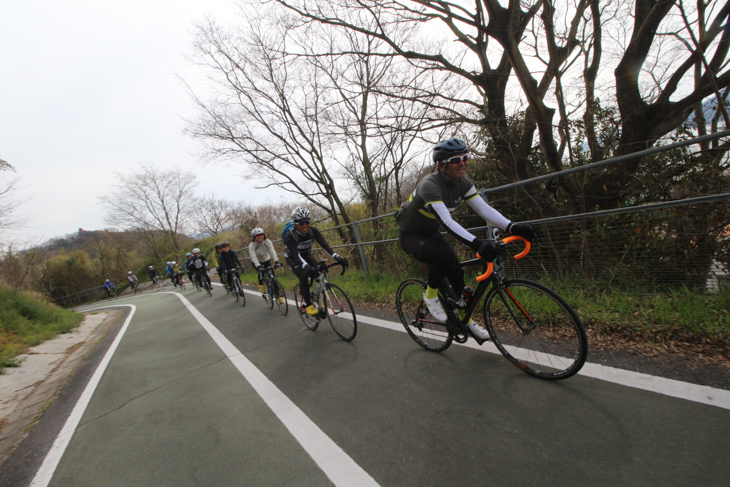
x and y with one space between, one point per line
531 325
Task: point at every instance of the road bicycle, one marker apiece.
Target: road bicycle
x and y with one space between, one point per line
180 280
530 324
157 283
236 286
331 301
273 290
111 293
195 279
203 281
135 287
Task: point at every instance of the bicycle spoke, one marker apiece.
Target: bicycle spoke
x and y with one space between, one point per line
425 330
311 322
280 296
340 312
536 329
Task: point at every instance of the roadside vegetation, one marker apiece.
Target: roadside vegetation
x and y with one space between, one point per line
27 320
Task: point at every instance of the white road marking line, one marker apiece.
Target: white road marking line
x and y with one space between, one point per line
668 387
637 380
45 472
339 467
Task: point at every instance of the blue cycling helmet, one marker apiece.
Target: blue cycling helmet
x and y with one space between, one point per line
448 148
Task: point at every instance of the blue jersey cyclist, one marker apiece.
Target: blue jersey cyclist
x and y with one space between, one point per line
108 286
428 210
298 243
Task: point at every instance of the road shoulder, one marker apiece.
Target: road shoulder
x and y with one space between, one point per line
28 390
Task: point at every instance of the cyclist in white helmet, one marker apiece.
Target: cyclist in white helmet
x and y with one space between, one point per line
199 265
298 243
262 252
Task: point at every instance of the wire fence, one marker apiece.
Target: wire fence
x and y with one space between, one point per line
647 249
81 297
651 248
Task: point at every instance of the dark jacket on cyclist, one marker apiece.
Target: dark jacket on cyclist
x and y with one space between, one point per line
298 256
228 261
199 265
153 273
427 212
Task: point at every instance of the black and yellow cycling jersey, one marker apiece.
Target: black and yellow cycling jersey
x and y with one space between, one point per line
429 208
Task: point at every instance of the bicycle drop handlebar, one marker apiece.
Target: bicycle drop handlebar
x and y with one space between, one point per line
490 265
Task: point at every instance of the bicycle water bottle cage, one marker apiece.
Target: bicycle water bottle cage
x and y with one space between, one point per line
460 304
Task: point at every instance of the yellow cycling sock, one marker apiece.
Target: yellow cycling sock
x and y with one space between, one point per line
431 292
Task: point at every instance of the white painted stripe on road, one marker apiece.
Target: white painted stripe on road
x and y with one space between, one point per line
660 385
334 462
668 387
45 473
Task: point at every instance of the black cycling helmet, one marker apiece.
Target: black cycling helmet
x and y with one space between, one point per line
448 148
217 246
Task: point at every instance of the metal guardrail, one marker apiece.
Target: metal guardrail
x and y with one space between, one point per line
484 192
608 162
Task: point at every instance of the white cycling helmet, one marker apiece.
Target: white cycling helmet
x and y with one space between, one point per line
167 263
130 273
151 267
257 231
173 263
196 251
300 213
107 280
188 254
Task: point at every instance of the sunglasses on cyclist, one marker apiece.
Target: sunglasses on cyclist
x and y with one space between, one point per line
303 222
459 159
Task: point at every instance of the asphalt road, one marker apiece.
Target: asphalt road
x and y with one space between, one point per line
201 391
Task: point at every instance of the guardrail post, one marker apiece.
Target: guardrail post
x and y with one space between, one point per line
361 249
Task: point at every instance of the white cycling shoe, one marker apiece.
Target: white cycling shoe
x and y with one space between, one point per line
478 330
435 308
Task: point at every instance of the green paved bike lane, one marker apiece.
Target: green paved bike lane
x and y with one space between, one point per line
172 410
406 416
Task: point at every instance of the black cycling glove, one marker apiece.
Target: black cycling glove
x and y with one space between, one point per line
488 250
523 230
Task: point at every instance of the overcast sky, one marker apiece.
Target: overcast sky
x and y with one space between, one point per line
89 87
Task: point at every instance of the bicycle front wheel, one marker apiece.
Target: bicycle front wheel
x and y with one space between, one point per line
268 294
240 295
311 322
426 330
279 296
536 329
340 313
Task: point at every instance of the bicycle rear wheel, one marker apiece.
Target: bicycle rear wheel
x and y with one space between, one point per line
340 313
426 330
311 322
279 296
536 329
